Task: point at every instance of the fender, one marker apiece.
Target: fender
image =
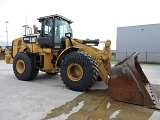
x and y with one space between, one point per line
65 52
25 48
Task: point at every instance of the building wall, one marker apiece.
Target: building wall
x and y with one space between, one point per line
143 38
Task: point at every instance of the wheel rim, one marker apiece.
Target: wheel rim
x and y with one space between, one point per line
20 66
75 72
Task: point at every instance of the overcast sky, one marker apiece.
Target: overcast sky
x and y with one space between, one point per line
92 18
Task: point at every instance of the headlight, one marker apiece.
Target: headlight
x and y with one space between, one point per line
33 39
30 39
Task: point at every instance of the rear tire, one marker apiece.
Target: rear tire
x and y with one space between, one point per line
79 71
23 67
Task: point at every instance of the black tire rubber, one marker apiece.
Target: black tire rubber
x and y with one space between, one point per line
30 71
48 73
89 66
99 78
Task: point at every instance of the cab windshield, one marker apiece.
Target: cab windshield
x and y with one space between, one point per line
61 27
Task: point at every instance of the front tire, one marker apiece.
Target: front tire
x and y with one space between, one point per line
79 71
23 67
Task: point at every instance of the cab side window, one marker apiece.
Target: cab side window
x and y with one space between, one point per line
48 27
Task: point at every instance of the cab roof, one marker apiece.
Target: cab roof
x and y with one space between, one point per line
55 15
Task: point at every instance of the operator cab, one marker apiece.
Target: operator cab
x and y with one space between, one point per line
53 30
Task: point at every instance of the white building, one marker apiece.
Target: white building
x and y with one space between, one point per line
142 38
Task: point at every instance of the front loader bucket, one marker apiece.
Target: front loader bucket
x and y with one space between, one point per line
128 83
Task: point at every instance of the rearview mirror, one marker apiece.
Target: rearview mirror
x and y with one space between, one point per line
68 35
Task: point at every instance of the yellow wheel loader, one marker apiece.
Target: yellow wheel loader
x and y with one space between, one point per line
53 50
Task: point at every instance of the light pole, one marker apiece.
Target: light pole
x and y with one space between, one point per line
6 32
